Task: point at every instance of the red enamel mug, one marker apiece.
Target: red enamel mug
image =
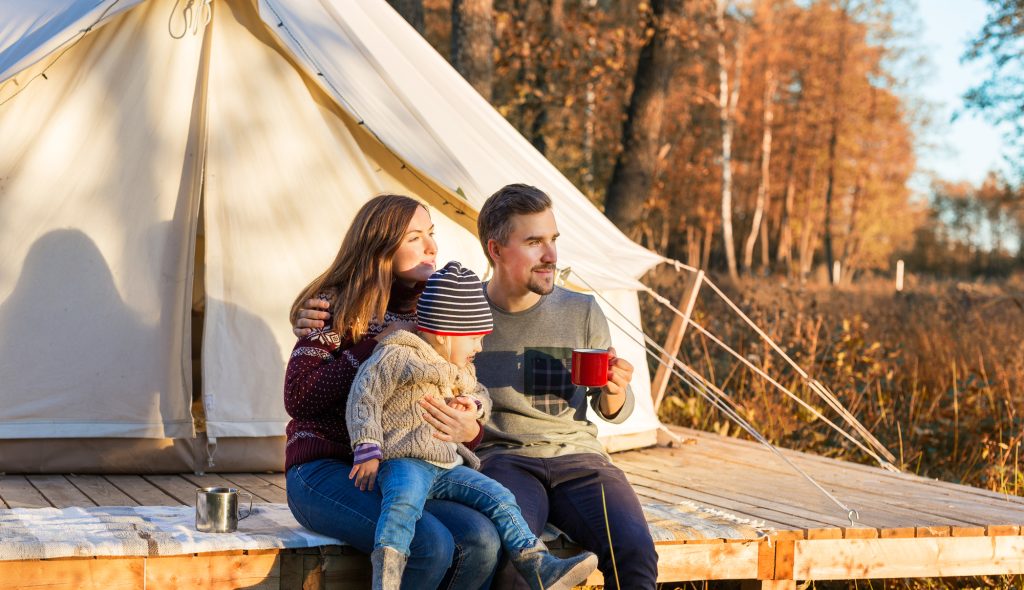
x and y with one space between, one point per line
590 367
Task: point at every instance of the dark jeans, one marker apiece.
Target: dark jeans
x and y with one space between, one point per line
454 546
567 492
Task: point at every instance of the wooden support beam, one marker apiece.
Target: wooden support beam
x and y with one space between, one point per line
112 573
912 557
685 562
768 585
675 337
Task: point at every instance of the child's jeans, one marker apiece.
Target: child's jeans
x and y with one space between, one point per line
407 483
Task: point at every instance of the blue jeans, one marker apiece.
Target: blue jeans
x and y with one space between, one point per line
454 546
407 483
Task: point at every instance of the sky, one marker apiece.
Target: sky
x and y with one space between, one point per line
969 147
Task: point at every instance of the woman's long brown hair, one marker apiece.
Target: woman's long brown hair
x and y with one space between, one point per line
360 277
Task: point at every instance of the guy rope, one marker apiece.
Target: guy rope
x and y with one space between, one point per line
723 402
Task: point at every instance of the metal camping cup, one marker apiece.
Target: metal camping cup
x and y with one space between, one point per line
590 367
217 509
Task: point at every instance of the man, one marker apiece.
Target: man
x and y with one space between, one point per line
539 443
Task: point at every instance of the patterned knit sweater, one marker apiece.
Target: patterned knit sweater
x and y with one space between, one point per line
317 383
383 407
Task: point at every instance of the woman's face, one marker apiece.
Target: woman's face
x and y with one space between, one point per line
415 258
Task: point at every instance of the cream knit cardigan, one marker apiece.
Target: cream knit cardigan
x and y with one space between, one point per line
382 405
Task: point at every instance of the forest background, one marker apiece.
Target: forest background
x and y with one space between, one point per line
773 144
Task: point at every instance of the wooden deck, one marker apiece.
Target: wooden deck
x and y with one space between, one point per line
908 527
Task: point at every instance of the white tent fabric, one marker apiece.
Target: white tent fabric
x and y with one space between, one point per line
285 129
388 77
284 176
32 31
95 219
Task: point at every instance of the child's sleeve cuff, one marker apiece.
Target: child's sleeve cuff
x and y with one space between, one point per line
367 451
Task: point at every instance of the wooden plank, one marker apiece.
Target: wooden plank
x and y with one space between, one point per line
291 571
18 492
784 558
717 499
313 572
914 510
973 531
216 480
723 486
829 533
346 571
897 533
278 479
73 574
860 532
142 491
696 479
1002 530
100 491
908 558
701 561
848 467
893 501
59 491
768 585
258 486
176 487
214 572
766 560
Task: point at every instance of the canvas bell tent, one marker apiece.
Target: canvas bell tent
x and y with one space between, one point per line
172 173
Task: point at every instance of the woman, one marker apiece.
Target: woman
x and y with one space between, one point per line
372 285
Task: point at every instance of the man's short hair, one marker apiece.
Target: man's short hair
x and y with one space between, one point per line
495 220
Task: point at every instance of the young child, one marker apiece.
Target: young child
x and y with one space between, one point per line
387 431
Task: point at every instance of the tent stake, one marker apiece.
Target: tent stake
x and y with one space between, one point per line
675 337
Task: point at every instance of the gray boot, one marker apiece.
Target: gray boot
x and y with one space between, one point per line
388 565
544 571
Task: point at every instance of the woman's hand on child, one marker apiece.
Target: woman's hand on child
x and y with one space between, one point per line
453 424
312 316
365 474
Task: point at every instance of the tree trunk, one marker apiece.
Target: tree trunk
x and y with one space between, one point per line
473 43
709 234
784 242
411 11
806 248
541 102
833 141
635 166
726 107
849 241
764 184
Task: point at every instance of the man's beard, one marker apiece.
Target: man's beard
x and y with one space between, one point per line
541 286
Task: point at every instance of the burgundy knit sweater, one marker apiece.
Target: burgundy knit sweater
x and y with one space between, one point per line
320 373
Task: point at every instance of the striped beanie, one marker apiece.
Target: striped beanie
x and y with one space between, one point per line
453 304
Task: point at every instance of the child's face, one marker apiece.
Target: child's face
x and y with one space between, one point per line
462 349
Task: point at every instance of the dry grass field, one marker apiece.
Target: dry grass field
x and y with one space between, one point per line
935 372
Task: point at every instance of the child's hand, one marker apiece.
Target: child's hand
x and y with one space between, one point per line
365 474
462 403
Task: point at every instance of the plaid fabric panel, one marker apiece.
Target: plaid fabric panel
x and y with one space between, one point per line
548 380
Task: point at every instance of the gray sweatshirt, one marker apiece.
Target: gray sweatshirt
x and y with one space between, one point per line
525 364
